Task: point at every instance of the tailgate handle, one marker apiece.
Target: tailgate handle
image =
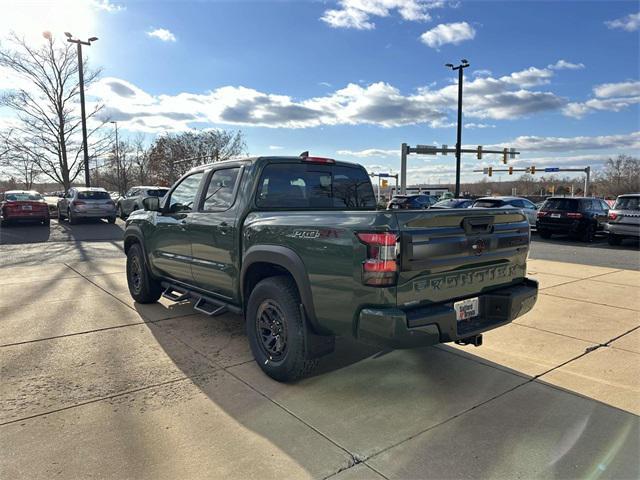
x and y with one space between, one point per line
477 225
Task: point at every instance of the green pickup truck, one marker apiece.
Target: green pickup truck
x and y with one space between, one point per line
296 245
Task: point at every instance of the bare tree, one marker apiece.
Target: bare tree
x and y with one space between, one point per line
171 155
48 132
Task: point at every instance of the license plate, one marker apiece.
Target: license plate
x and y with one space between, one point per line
466 309
555 215
27 207
395 206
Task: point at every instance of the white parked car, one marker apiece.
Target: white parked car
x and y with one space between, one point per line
528 207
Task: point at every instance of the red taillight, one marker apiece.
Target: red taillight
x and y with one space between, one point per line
613 215
574 215
380 268
319 160
541 214
78 202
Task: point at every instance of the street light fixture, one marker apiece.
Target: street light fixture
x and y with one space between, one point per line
464 63
85 147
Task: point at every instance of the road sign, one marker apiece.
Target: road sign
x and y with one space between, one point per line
427 149
552 169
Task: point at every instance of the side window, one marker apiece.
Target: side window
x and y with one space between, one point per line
221 188
528 204
517 203
605 205
184 195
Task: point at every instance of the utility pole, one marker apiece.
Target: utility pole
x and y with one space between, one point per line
117 158
463 64
85 147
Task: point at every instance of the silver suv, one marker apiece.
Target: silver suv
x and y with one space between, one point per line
132 200
85 202
624 219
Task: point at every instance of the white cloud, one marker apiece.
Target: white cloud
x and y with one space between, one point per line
630 23
481 73
275 147
444 33
357 14
570 144
379 103
608 97
370 152
621 89
162 34
564 65
478 125
107 6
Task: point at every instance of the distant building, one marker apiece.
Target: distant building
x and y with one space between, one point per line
436 190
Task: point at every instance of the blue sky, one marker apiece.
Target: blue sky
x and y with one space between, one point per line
354 79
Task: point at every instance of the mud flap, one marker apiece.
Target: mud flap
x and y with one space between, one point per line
315 345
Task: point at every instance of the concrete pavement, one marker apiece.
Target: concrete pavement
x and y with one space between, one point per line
94 385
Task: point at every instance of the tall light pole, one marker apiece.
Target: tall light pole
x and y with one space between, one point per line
117 158
463 64
85 147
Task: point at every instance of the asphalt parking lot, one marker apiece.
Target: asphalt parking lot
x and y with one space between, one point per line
94 385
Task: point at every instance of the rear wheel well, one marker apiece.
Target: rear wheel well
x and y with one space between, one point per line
128 242
259 271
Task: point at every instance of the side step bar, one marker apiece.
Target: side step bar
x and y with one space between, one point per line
201 303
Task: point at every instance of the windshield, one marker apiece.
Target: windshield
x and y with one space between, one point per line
628 203
488 203
23 197
93 195
561 204
159 192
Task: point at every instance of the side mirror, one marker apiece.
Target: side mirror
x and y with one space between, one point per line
151 204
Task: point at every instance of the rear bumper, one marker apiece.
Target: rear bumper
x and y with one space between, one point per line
569 227
623 230
396 328
101 214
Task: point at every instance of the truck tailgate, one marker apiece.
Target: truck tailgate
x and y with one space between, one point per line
457 253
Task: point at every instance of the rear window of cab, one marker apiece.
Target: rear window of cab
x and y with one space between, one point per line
310 186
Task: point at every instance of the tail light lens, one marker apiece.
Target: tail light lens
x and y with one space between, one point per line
613 215
542 214
380 267
78 202
574 215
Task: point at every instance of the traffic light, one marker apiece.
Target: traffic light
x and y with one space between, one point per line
490 171
504 155
385 183
533 169
510 170
479 152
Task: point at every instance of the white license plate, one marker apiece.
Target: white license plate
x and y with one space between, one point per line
395 206
555 215
466 309
27 207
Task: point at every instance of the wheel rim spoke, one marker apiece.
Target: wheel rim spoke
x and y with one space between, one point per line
271 329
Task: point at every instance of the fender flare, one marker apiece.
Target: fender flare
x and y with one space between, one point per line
288 259
134 231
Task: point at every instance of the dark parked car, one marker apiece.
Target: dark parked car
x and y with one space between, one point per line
578 217
411 202
453 203
18 205
624 219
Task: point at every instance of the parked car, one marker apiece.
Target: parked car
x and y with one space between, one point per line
411 202
624 219
579 217
132 200
86 202
23 205
528 207
453 203
297 246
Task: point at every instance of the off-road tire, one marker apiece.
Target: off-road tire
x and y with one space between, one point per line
546 234
142 286
614 239
293 363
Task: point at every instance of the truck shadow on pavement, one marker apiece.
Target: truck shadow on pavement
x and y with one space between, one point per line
408 412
